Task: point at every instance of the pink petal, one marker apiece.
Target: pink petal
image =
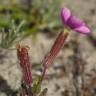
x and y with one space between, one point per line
65 14
83 30
74 22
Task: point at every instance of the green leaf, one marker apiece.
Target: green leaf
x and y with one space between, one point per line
36 88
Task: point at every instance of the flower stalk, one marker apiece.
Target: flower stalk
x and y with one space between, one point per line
58 44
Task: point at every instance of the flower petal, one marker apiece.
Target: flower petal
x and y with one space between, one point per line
83 30
74 22
65 14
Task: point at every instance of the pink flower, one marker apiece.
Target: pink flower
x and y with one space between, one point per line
73 22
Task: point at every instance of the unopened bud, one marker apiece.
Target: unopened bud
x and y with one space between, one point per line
22 53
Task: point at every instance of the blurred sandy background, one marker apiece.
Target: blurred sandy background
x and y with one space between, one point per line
58 78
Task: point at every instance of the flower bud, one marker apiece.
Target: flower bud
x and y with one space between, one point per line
22 53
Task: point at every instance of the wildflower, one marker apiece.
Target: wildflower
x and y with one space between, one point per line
55 49
23 57
73 22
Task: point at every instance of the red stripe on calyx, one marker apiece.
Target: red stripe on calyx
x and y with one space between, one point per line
58 44
22 53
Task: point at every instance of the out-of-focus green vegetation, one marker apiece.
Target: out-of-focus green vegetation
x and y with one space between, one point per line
37 14
11 36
